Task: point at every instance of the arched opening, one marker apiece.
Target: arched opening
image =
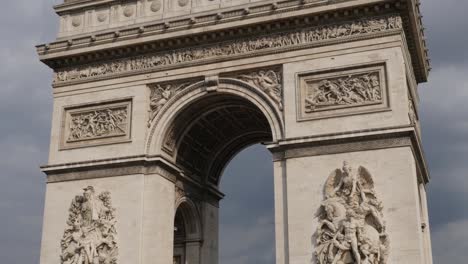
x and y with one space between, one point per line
247 227
202 138
187 233
208 133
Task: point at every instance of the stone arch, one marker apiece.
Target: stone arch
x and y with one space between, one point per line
191 216
187 232
258 119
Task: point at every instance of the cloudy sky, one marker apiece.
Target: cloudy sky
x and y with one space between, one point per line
26 105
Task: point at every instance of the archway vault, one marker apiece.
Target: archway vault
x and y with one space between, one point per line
203 127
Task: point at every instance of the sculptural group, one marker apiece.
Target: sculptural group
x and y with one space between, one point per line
90 236
351 228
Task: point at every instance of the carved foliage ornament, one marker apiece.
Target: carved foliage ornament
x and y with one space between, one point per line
351 90
90 235
351 227
225 49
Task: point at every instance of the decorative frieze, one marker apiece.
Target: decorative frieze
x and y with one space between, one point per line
325 94
351 223
91 233
253 45
96 124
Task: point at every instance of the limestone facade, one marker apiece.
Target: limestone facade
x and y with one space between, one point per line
153 98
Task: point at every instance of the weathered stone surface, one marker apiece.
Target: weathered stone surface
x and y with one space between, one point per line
153 98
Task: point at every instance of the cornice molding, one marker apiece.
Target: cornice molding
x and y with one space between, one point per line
183 32
233 49
351 141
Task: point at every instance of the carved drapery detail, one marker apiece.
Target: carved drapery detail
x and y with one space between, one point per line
107 122
351 227
351 90
268 81
161 93
90 235
230 48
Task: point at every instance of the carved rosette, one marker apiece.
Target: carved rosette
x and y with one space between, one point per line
248 46
90 235
351 224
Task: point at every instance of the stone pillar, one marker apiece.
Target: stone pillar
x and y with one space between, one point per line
210 223
427 245
394 182
158 220
134 214
281 208
192 252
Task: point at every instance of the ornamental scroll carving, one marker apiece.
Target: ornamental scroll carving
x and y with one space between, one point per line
350 90
221 50
351 227
90 235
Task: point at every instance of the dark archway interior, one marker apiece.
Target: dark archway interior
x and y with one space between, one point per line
179 228
210 131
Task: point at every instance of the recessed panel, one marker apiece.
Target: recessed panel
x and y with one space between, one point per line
341 92
96 124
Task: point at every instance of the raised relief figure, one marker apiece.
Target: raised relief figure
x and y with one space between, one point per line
90 236
230 48
160 95
269 81
351 90
351 228
98 123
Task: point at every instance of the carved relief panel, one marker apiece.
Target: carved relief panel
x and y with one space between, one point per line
300 38
96 124
351 226
91 234
345 92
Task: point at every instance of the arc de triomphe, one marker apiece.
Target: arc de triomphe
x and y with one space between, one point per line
152 98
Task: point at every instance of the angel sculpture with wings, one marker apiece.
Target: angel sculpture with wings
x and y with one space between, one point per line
160 95
351 229
269 82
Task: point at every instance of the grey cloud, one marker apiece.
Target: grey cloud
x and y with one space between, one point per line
449 242
446 24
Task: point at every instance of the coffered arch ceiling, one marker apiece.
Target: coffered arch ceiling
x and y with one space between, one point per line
210 131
